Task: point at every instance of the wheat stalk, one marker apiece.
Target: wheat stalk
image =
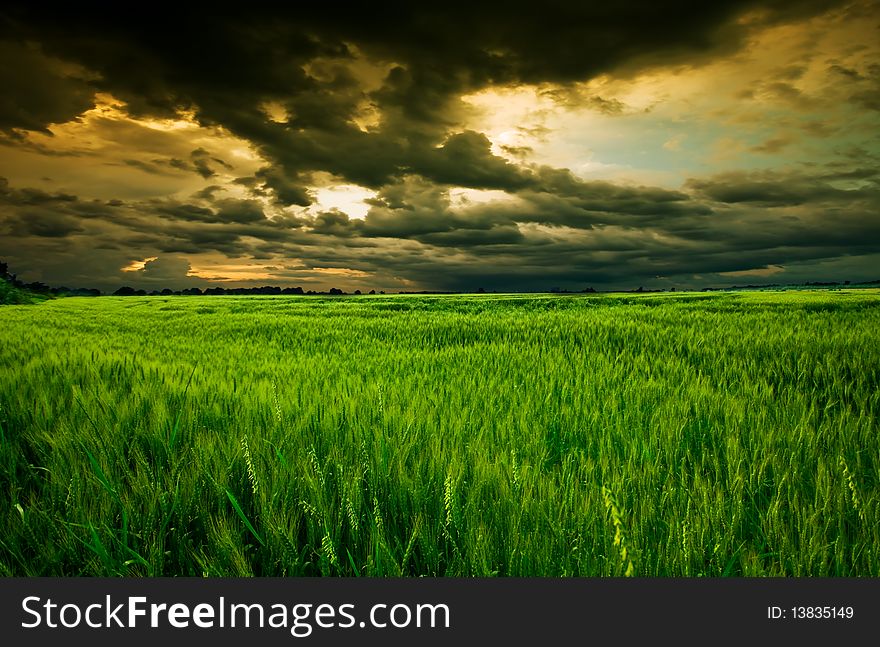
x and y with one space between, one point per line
619 534
328 553
251 472
854 494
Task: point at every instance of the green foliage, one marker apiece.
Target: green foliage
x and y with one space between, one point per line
656 435
12 295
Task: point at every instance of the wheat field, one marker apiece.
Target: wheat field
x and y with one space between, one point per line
703 434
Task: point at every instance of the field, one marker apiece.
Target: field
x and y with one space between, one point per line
723 434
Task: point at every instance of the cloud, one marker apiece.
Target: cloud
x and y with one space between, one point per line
151 167
39 90
164 270
774 144
465 159
561 231
203 161
777 188
239 211
334 223
433 55
288 190
45 224
213 135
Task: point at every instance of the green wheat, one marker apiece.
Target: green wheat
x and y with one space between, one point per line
736 434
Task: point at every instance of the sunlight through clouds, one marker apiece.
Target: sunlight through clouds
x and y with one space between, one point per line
441 149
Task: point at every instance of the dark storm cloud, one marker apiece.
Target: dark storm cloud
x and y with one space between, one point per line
239 211
496 235
225 66
229 211
775 188
465 160
29 196
561 232
335 223
287 190
203 162
47 224
185 211
136 228
599 196
402 133
416 207
164 269
37 90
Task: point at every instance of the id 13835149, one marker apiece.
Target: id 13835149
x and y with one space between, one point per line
810 613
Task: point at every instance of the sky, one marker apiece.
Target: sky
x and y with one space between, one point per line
517 146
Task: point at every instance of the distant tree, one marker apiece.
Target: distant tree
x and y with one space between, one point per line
125 291
266 289
372 292
193 291
357 291
38 286
83 292
336 291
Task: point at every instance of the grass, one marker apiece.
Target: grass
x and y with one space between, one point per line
652 435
